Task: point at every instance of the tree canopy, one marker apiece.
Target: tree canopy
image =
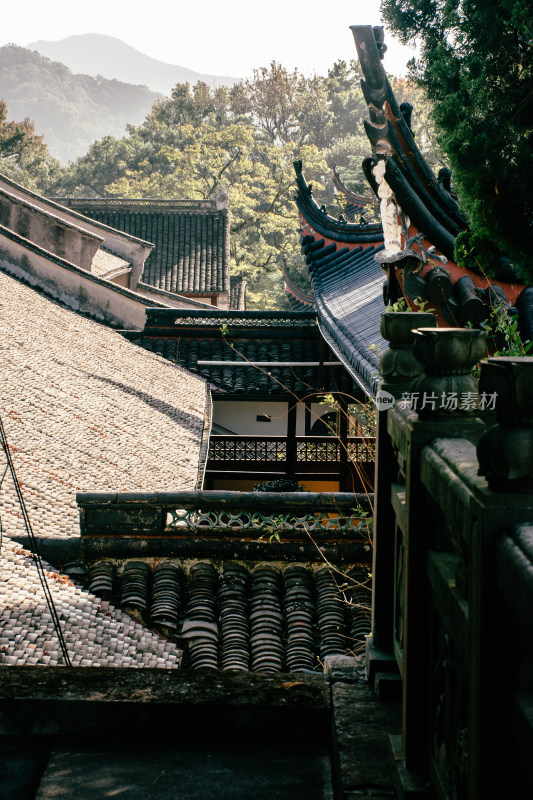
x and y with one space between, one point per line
244 138
24 156
476 65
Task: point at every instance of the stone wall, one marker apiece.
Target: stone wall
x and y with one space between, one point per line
71 285
58 236
453 567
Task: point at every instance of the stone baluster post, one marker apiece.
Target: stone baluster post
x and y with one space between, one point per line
398 368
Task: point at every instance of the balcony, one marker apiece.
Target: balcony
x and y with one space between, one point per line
300 457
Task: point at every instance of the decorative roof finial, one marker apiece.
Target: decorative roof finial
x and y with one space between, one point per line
406 110
379 35
220 197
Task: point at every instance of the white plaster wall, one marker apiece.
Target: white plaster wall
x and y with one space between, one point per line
74 287
319 410
129 247
240 416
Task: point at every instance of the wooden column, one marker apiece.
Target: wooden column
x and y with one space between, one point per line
291 439
343 441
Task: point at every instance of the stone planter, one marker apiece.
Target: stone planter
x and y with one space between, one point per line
505 452
448 387
398 366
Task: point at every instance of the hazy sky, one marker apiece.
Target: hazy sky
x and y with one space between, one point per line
226 37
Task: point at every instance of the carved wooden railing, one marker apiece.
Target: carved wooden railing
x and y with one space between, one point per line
272 450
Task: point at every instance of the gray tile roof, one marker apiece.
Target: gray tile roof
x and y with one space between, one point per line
95 632
84 409
350 304
191 238
347 282
290 339
234 611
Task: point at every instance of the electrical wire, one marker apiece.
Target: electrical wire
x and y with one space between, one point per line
1 528
33 546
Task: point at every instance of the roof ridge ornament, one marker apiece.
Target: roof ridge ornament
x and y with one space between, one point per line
379 35
220 197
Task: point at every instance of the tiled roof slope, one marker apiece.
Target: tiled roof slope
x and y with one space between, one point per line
84 409
95 632
348 284
232 605
298 299
253 336
350 304
191 238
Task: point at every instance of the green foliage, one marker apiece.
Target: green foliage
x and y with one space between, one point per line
504 331
423 305
106 158
363 420
279 485
398 306
477 253
245 139
197 140
361 416
24 155
476 65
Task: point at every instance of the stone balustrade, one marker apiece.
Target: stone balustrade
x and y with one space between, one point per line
222 524
453 560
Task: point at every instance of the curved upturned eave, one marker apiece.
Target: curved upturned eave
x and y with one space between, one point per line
413 206
302 297
327 226
418 184
358 200
388 125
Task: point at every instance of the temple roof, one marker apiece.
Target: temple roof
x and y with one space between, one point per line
419 256
96 633
426 199
337 230
85 409
298 299
191 238
253 353
355 203
347 282
82 409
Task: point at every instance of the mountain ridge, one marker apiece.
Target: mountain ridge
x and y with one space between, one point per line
98 54
71 111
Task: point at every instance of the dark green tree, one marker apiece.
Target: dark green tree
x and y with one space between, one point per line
476 65
24 156
244 138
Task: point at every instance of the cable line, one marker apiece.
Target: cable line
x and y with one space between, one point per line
33 546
